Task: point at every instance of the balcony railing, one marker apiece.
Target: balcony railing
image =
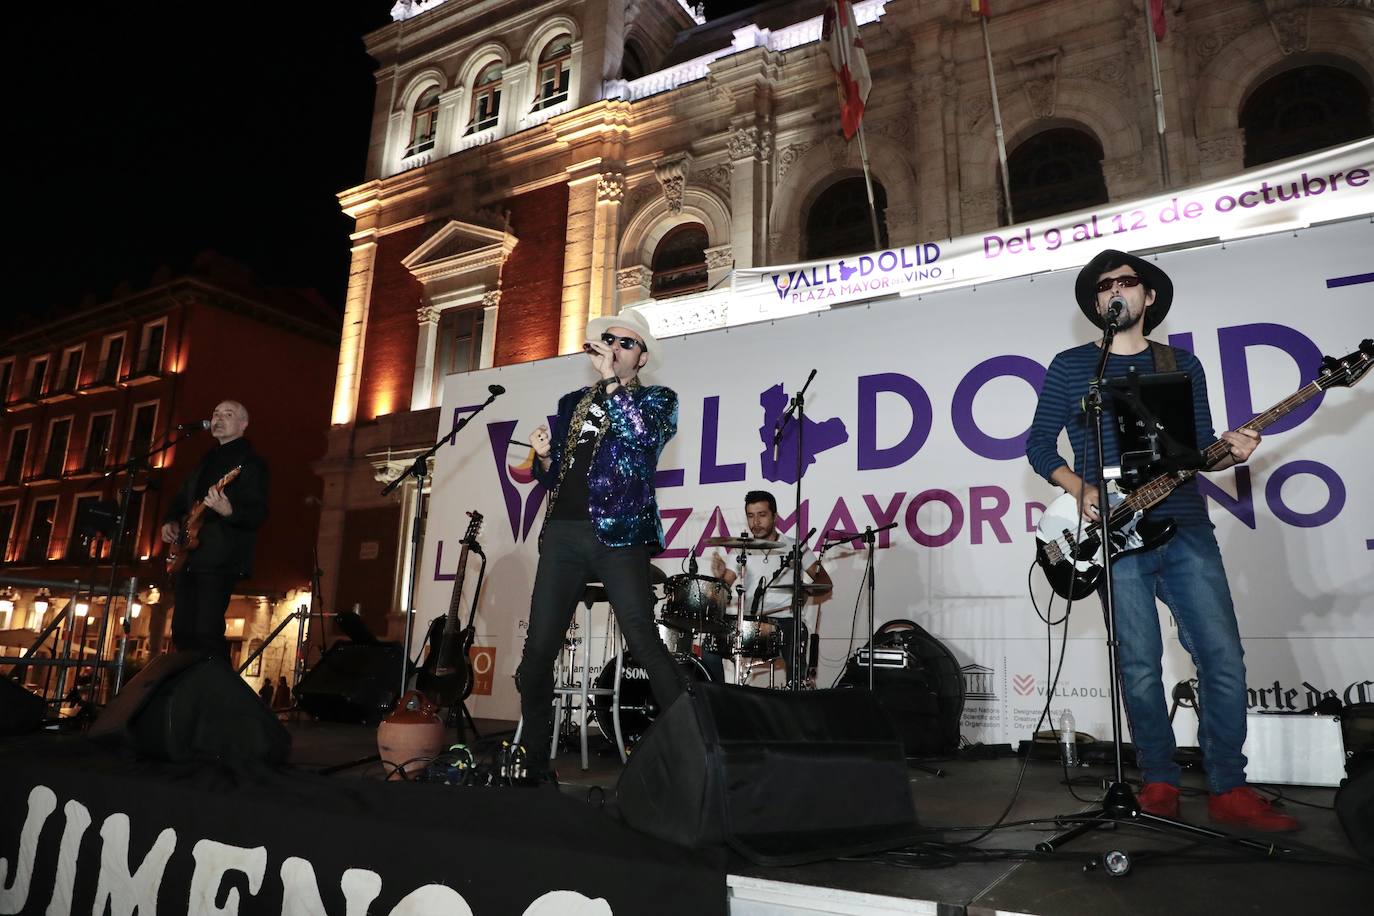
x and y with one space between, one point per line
106 377
146 368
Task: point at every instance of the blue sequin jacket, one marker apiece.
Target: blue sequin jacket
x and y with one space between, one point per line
620 478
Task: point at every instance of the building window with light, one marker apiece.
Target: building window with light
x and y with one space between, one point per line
424 121
17 457
460 341
486 98
555 70
141 430
40 531
679 262
8 513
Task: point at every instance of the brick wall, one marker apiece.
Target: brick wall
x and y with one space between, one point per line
532 280
392 329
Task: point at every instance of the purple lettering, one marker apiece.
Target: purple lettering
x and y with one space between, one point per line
711 472
1243 506
871 457
961 411
884 516
1335 499
1235 372
956 521
978 514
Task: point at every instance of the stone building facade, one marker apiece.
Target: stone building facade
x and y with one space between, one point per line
535 165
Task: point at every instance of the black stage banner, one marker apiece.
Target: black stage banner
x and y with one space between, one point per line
83 830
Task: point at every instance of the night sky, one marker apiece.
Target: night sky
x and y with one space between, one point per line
142 134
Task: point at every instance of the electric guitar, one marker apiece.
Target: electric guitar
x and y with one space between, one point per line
188 539
446 676
1069 549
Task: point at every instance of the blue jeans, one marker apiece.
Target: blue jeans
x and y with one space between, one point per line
1186 573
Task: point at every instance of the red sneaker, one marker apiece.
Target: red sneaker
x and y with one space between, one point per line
1159 799
1244 807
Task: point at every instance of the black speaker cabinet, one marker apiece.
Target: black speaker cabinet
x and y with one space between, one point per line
20 710
353 682
1355 808
782 777
188 706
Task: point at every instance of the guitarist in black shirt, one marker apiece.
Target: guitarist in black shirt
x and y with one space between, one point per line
214 526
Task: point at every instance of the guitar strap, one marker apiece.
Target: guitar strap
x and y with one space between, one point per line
1165 360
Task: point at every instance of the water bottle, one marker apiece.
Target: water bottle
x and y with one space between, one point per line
1068 739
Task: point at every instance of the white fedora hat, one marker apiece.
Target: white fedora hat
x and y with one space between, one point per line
632 319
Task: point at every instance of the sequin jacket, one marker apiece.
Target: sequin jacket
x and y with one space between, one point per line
620 478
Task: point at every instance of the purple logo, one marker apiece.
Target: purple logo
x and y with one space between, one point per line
521 508
819 438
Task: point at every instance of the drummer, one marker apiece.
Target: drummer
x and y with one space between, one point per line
773 604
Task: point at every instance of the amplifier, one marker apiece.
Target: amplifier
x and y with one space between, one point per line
1294 749
884 658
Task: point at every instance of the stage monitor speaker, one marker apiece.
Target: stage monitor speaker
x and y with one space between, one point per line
353 682
188 706
1355 807
782 777
20 710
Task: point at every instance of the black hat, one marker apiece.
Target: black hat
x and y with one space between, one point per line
1085 287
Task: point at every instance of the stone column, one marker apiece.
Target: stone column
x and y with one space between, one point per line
426 352
491 306
594 198
356 302
750 148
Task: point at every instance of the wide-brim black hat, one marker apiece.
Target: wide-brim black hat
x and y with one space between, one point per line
1085 287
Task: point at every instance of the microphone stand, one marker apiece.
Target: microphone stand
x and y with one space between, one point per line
870 538
798 406
126 491
419 469
1119 802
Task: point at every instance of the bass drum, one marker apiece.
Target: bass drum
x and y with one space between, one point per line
638 709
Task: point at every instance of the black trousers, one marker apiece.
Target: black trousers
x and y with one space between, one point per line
570 556
198 615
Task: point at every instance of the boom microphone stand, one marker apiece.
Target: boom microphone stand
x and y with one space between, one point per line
1119 802
870 537
419 469
798 406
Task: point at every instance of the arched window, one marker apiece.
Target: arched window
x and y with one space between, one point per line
486 98
423 122
632 63
1056 171
1302 110
555 67
679 262
838 222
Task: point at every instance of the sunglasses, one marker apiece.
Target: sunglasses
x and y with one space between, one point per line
626 343
1129 281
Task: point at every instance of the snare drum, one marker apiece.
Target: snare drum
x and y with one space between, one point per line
752 639
696 603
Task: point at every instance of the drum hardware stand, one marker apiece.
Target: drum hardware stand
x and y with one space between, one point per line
419 469
798 406
870 537
1119 802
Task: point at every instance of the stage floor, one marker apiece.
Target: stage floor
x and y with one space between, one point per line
1169 875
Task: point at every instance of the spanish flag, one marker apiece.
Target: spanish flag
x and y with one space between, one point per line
980 8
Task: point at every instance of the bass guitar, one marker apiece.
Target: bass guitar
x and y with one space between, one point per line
188 539
1069 549
445 677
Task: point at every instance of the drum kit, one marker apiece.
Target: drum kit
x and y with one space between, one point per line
697 610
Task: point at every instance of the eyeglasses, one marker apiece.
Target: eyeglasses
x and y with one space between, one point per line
1128 281
626 343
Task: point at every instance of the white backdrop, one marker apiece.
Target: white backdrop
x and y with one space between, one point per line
924 404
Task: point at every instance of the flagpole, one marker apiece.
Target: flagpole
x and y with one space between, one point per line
1159 94
997 122
842 23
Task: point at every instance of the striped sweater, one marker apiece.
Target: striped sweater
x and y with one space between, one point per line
1060 407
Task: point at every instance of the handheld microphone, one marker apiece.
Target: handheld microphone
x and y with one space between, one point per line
193 426
496 389
1115 306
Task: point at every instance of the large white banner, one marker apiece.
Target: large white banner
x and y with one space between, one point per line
918 414
1329 185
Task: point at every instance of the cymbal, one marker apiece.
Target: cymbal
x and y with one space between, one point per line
743 543
807 588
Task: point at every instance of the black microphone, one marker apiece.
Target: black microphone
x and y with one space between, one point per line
692 564
496 389
1115 306
193 426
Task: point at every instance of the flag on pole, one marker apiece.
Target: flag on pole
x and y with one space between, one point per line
980 8
841 33
1157 18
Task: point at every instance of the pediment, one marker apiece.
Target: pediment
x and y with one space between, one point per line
459 249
